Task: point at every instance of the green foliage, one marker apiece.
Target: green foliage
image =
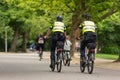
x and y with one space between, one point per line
34 16
99 7
111 49
108 35
39 26
22 14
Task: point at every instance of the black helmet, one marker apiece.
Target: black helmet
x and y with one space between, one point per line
59 18
87 16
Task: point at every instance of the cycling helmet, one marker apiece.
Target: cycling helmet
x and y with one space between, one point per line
59 18
87 16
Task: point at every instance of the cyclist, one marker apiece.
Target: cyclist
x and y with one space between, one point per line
67 45
89 35
59 32
40 43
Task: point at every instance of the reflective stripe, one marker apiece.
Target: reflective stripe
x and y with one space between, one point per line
58 31
88 26
58 26
89 23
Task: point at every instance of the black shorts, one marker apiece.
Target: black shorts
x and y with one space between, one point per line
38 46
90 37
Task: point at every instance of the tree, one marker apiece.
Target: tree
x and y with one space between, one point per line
19 13
103 9
4 20
108 35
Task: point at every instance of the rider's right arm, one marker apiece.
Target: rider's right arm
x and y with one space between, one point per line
49 31
51 27
81 26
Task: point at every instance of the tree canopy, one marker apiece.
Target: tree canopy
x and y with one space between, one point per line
26 18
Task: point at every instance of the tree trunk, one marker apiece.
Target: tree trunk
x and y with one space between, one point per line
119 57
75 24
72 35
24 43
15 38
79 10
118 60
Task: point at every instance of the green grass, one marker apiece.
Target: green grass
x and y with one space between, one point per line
106 56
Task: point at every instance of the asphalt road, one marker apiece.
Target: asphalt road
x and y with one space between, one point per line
28 67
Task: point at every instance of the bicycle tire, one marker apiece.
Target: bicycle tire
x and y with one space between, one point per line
40 55
68 62
59 62
90 64
82 66
53 65
64 59
68 59
59 66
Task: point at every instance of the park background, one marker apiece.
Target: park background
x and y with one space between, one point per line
21 21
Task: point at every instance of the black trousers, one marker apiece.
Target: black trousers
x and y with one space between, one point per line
57 36
89 37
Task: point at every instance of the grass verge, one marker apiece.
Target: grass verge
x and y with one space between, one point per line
106 56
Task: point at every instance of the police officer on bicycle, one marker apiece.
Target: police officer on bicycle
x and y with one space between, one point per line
88 31
59 33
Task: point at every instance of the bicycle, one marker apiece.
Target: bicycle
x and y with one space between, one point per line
58 57
89 59
66 58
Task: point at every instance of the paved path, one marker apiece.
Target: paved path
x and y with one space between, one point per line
20 66
102 63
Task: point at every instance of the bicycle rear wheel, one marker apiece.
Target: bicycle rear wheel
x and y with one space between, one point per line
90 64
64 58
40 55
68 62
68 59
53 65
82 66
59 62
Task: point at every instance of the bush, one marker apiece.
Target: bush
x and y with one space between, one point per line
110 50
